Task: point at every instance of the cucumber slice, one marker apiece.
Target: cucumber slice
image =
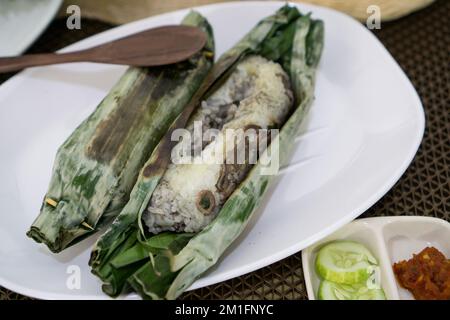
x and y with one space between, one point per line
345 262
334 291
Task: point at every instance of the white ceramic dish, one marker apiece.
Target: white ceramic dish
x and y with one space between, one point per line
22 21
390 239
363 131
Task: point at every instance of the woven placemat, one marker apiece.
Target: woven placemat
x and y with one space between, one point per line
420 44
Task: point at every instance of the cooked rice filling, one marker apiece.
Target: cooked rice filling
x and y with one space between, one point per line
189 196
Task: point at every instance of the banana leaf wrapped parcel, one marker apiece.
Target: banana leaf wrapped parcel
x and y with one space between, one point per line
182 216
96 167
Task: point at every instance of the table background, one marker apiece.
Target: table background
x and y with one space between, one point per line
420 43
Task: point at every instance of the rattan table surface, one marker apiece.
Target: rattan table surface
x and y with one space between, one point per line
420 43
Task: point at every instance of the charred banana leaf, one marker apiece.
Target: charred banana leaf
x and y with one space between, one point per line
97 166
158 269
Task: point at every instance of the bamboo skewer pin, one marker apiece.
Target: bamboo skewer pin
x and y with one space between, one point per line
85 224
51 202
54 204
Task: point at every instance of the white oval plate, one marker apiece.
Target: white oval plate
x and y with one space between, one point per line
22 21
363 131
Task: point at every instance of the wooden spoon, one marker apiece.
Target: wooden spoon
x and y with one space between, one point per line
153 47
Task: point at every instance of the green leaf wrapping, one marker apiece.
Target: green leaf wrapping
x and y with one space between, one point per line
287 37
96 167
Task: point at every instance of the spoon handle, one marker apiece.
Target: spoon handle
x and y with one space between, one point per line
42 59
